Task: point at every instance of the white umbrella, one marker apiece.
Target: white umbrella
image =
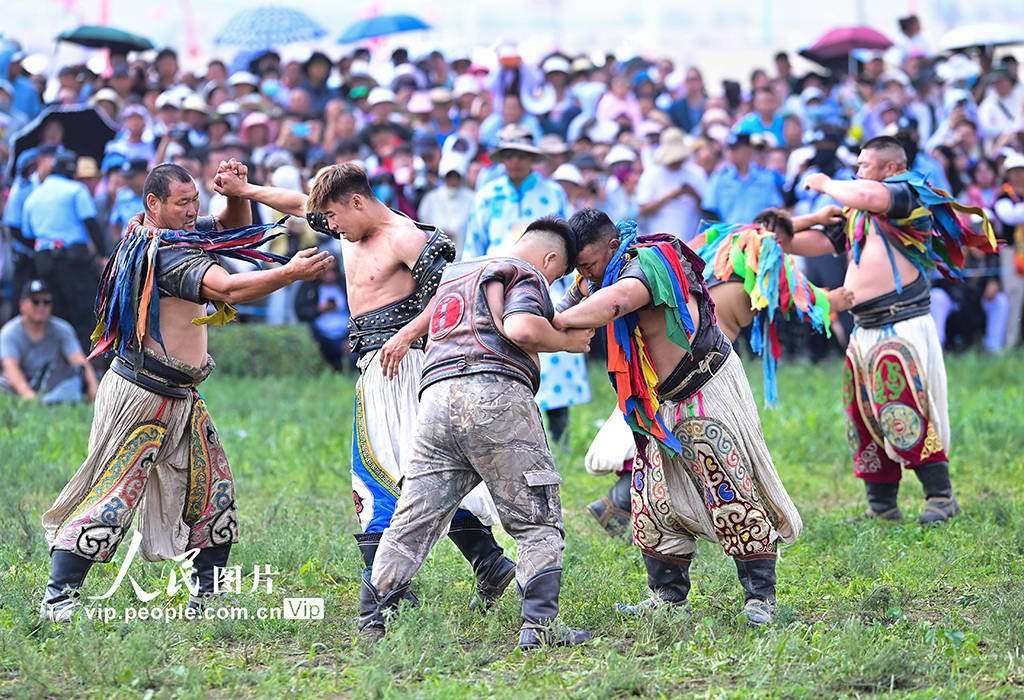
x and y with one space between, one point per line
982 34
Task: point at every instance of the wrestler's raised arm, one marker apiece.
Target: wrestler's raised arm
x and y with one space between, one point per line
237 212
228 183
605 305
865 195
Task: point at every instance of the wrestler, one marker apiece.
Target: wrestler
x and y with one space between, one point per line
702 468
897 228
153 448
751 281
392 267
478 422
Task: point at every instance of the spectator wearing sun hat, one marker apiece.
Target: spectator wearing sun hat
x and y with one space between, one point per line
670 190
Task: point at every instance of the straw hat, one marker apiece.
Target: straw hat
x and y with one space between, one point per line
672 147
514 139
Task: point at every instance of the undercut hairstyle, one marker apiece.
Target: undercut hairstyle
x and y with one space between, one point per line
559 228
158 182
776 221
592 226
889 147
337 183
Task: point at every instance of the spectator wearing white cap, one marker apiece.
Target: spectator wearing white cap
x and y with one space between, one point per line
670 190
448 205
243 83
621 189
132 142
556 76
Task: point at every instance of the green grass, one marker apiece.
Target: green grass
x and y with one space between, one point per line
865 609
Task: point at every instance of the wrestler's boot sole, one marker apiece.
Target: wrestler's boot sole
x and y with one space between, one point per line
540 608
670 583
493 570
67 574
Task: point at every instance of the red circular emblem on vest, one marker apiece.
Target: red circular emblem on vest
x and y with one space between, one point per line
447 314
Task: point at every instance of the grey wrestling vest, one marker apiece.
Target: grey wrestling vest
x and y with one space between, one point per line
463 338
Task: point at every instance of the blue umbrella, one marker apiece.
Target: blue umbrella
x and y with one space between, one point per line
267 26
381 26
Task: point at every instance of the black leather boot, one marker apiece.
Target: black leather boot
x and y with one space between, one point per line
67 574
612 511
375 611
882 503
368 543
669 581
204 574
941 504
757 576
493 570
540 608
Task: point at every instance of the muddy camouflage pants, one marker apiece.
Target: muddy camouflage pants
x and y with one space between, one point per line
471 429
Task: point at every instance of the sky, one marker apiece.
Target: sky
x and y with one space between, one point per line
726 38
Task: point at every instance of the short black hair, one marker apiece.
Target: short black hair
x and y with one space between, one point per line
158 182
893 147
776 221
561 228
591 226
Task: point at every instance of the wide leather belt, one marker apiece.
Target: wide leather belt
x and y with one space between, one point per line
154 377
691 374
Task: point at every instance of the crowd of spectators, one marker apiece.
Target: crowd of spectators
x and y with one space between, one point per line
643 138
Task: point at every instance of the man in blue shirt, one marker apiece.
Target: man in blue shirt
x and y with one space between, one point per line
61 216
741 190
26 179
764 119
128 201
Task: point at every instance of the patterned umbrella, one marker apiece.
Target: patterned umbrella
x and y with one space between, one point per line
268 26
381 26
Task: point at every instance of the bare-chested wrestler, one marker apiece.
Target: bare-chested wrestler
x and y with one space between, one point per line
153 448
897 229
392 268
751 282
702 468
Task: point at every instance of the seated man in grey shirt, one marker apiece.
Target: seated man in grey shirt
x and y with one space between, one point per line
40 353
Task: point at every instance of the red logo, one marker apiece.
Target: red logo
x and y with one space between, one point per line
447 314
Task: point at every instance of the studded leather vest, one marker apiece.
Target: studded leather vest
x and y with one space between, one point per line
463 337
369 331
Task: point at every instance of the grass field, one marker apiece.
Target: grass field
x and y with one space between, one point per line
865 609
